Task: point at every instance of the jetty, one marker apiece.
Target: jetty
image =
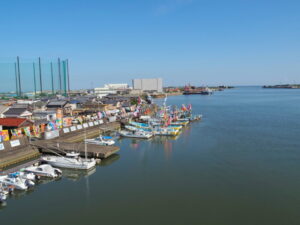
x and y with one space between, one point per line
21 149
61 148
74 141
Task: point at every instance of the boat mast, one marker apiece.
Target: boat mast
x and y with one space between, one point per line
85 144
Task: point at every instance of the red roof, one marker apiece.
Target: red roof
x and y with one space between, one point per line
12 122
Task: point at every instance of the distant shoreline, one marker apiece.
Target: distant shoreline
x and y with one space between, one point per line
283 86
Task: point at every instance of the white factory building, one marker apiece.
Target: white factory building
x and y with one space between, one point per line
110 89
153 84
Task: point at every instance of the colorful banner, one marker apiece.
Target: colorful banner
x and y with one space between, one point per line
27 131
19 132
4 136
36 131
59 123
14 133
59 114
43 128
67 122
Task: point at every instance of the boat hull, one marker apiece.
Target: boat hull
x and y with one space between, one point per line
69 163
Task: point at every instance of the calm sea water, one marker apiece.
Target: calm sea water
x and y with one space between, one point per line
240 165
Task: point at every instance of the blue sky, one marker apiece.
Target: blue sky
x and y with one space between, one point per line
202 42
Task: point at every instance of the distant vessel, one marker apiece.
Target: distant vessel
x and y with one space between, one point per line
283 86
192 90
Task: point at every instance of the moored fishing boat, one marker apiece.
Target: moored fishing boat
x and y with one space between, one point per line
175 127
71 161
195 117
164 131
140 125
101 140
16 182
180 123
44 170
24 175
136 134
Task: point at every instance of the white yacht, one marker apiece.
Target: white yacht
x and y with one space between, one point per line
44 171
17 182
136 134
101 140
71 161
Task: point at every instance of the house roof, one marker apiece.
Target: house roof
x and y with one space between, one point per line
20 106
74 102
14 112
12 122
42 121
57 104
43 113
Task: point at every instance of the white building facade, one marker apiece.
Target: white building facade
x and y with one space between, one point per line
110 89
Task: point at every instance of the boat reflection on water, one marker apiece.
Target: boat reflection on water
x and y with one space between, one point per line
75 175
113 158
2 205
17 194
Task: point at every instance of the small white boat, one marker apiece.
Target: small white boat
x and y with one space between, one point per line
136 134
195 118
44 171
17 182
71 161
24 175
101 140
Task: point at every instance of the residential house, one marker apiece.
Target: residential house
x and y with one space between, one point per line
17 113
13 123
60 104
44 115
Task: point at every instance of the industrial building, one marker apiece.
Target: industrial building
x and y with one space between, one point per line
151 85
110 89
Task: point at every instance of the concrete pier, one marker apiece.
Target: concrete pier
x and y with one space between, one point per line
73 141
19 150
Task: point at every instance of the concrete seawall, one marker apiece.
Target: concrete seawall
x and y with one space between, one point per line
16 151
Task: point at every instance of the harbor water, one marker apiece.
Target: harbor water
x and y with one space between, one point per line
239 165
